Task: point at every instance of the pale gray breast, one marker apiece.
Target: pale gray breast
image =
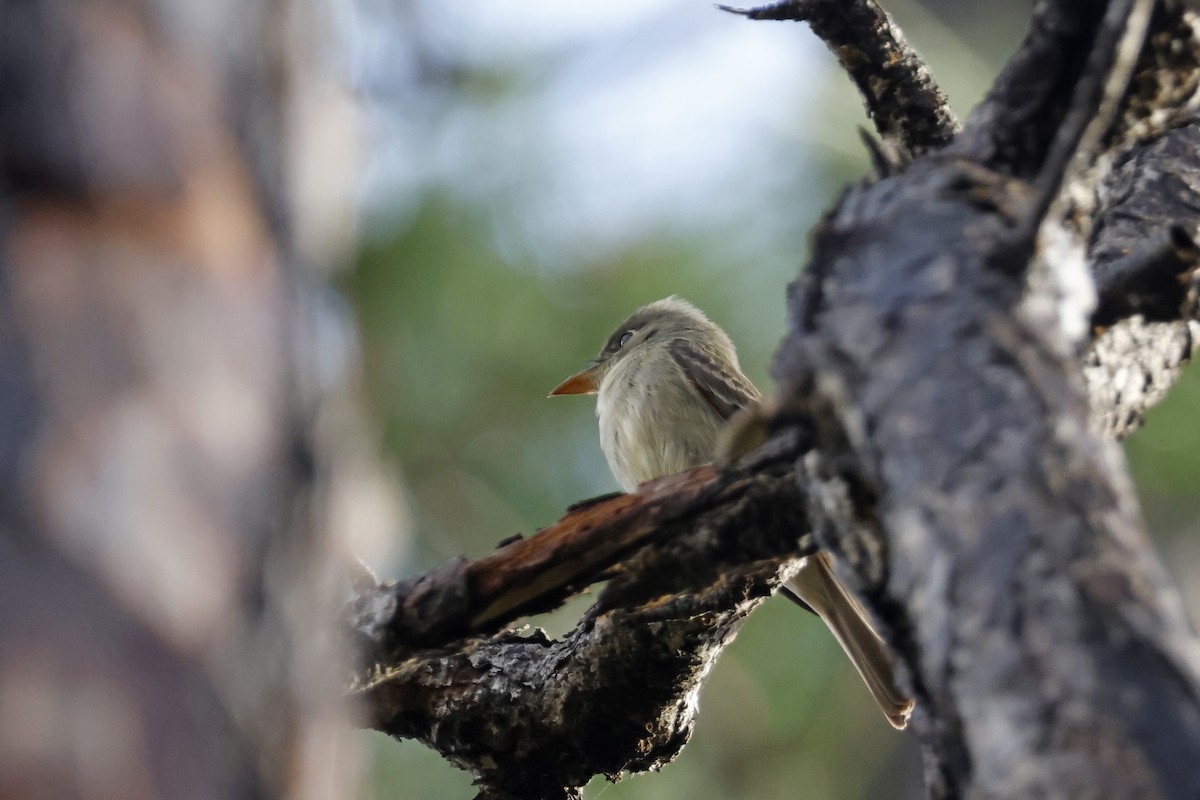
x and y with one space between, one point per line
652 422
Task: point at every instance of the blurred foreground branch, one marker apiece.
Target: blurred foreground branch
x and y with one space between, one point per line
166 572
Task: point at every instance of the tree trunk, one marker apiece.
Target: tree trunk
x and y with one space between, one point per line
164 568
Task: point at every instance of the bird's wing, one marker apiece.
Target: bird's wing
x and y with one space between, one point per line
723 391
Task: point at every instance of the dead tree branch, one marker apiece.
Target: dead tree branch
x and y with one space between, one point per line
528 576
910 112
952 403
996 538
690 555
1141 246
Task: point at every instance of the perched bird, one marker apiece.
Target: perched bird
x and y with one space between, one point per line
668 379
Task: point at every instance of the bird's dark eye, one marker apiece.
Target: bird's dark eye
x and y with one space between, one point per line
625 337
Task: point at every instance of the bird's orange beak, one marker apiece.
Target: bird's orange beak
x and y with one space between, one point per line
580 383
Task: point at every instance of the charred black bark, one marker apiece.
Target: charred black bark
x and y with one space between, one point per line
990 528
534 717
909 110
957 390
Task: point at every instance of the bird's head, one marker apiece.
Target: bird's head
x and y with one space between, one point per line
660 321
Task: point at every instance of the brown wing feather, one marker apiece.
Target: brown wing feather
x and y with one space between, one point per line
725 392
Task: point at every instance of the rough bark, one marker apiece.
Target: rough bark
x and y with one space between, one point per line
957 395
160 567
997 539
535 717
1143 252
910 112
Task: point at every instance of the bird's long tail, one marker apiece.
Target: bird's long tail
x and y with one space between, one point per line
816 587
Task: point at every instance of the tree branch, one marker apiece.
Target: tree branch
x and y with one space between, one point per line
994 535
1146 215
944 455
1145 263
1014 127
910 112
698 551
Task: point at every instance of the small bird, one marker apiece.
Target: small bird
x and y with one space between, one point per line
668 379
